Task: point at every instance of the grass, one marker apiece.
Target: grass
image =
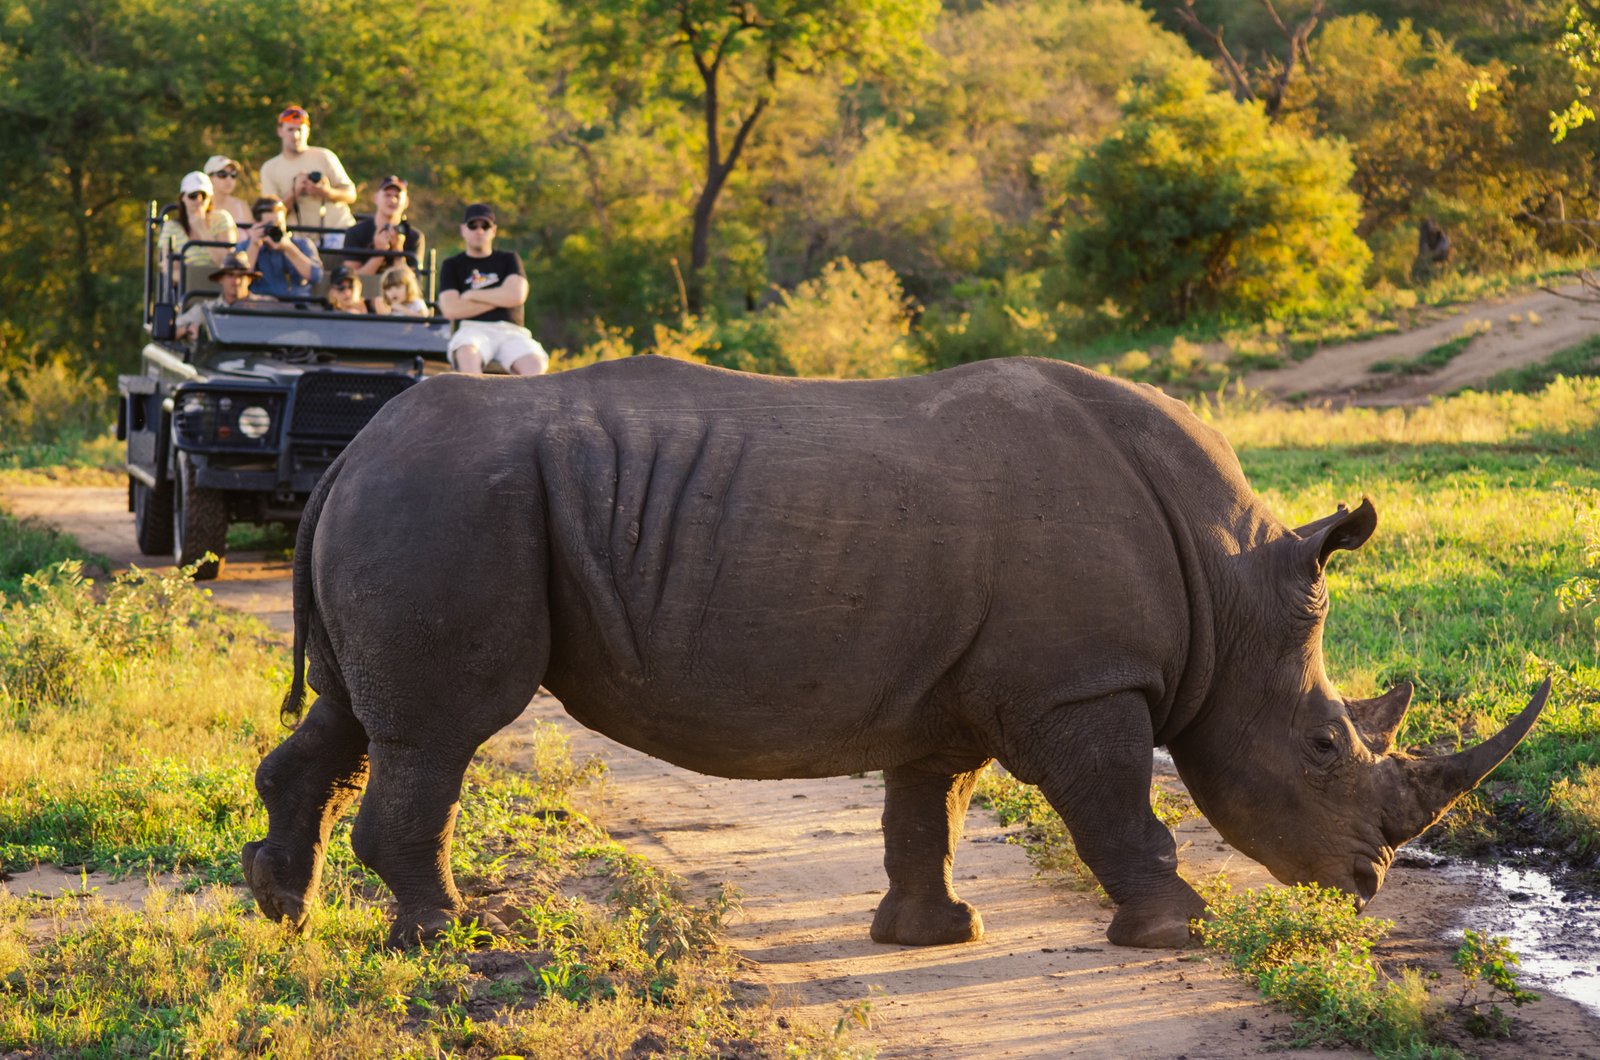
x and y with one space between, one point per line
1575 362
1306 948
132 715
1431 361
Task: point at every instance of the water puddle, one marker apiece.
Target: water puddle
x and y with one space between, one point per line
1555 929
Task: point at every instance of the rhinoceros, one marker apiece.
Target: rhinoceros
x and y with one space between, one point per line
1016 560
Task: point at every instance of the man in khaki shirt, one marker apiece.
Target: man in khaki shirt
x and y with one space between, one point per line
311 181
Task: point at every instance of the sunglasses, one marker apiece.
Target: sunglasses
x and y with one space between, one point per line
230 174
480 226
344 285
194 195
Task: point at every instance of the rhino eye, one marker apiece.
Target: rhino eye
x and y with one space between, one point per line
1324 747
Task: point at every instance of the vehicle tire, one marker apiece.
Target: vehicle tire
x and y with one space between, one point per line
199 522
152 518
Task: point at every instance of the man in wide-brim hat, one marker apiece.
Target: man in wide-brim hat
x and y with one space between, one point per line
234 274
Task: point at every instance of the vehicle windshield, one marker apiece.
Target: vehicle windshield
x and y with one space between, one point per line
287 327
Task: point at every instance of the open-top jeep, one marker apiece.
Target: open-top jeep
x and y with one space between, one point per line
238 424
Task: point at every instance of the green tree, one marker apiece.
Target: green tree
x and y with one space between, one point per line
738 51
1197 204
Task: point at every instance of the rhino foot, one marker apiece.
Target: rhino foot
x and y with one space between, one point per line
1157 925
924 921
412 929
266 871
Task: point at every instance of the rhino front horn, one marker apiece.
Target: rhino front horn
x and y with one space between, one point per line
1440 781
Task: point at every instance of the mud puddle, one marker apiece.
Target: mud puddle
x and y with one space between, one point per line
1552 924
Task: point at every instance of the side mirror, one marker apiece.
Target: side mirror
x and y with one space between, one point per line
163 322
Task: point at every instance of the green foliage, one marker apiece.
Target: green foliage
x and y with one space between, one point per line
986 318
1198 205
26 547
851 322
1487 959
1306 948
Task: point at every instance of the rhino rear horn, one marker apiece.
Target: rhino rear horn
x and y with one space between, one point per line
1377 720
1344 529
1439 782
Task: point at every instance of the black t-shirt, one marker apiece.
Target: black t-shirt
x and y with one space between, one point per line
462 272
360 235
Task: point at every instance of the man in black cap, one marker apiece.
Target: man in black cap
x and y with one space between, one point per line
483 290
235 275
387 229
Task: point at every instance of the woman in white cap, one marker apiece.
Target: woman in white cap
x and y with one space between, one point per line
197 218
225 173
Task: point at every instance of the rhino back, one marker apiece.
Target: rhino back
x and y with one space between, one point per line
761 577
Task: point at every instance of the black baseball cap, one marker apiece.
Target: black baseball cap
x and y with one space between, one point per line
341 273
392 181
479 211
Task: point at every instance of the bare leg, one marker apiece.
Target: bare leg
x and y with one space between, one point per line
307 783
468 361
530 364
1092 761
924 812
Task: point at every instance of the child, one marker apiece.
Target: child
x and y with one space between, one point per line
402 295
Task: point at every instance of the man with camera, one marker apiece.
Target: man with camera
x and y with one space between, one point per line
289 265
388 230
312 183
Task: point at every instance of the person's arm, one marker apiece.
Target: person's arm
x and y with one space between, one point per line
337 185
304 261
456 305
512 292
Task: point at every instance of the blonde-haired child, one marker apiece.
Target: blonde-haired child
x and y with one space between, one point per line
402 294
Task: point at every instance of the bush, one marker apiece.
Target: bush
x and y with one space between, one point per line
49 410
851 322
1197 205
989 318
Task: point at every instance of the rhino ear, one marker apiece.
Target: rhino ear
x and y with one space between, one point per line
1377 720
1343 529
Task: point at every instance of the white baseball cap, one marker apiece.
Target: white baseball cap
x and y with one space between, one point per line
216 162
196 181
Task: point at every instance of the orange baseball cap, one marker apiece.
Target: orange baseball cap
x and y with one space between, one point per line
294 116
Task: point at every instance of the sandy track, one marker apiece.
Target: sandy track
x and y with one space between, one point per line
1523 329
807 857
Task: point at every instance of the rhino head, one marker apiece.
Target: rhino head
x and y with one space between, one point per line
1298 777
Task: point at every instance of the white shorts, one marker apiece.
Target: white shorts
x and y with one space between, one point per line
497 342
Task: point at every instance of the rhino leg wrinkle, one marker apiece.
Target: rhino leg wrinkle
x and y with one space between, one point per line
1016 560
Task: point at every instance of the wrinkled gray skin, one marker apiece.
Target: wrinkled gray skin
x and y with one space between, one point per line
753 577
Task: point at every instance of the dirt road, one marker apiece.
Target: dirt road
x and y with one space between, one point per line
1511 332
807 856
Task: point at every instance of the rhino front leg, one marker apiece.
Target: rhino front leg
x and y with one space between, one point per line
924 813
1092 761
307 783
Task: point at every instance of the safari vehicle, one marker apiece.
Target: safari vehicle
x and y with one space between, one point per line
237 425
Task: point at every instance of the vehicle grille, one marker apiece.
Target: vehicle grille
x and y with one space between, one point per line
339 404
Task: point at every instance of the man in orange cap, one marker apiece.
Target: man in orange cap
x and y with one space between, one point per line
311 181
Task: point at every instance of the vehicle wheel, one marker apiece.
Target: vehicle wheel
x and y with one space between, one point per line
152 518
199 522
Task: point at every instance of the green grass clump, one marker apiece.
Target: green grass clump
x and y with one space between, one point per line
1431 361
26 547
1306 948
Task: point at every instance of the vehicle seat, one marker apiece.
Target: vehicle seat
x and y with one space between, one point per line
197 280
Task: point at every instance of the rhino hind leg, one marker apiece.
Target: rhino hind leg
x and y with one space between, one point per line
307 782
403 832
924 813
1093 764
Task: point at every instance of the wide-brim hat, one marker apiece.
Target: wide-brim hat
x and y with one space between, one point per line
238 264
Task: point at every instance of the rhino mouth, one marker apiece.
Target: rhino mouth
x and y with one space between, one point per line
1366 879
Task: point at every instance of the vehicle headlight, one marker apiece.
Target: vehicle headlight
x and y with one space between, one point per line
254 422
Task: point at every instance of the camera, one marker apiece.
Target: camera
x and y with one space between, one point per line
315 176
273 232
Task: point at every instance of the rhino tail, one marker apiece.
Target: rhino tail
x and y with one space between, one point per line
294 702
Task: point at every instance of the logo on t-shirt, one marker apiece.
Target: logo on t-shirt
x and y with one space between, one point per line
478 280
